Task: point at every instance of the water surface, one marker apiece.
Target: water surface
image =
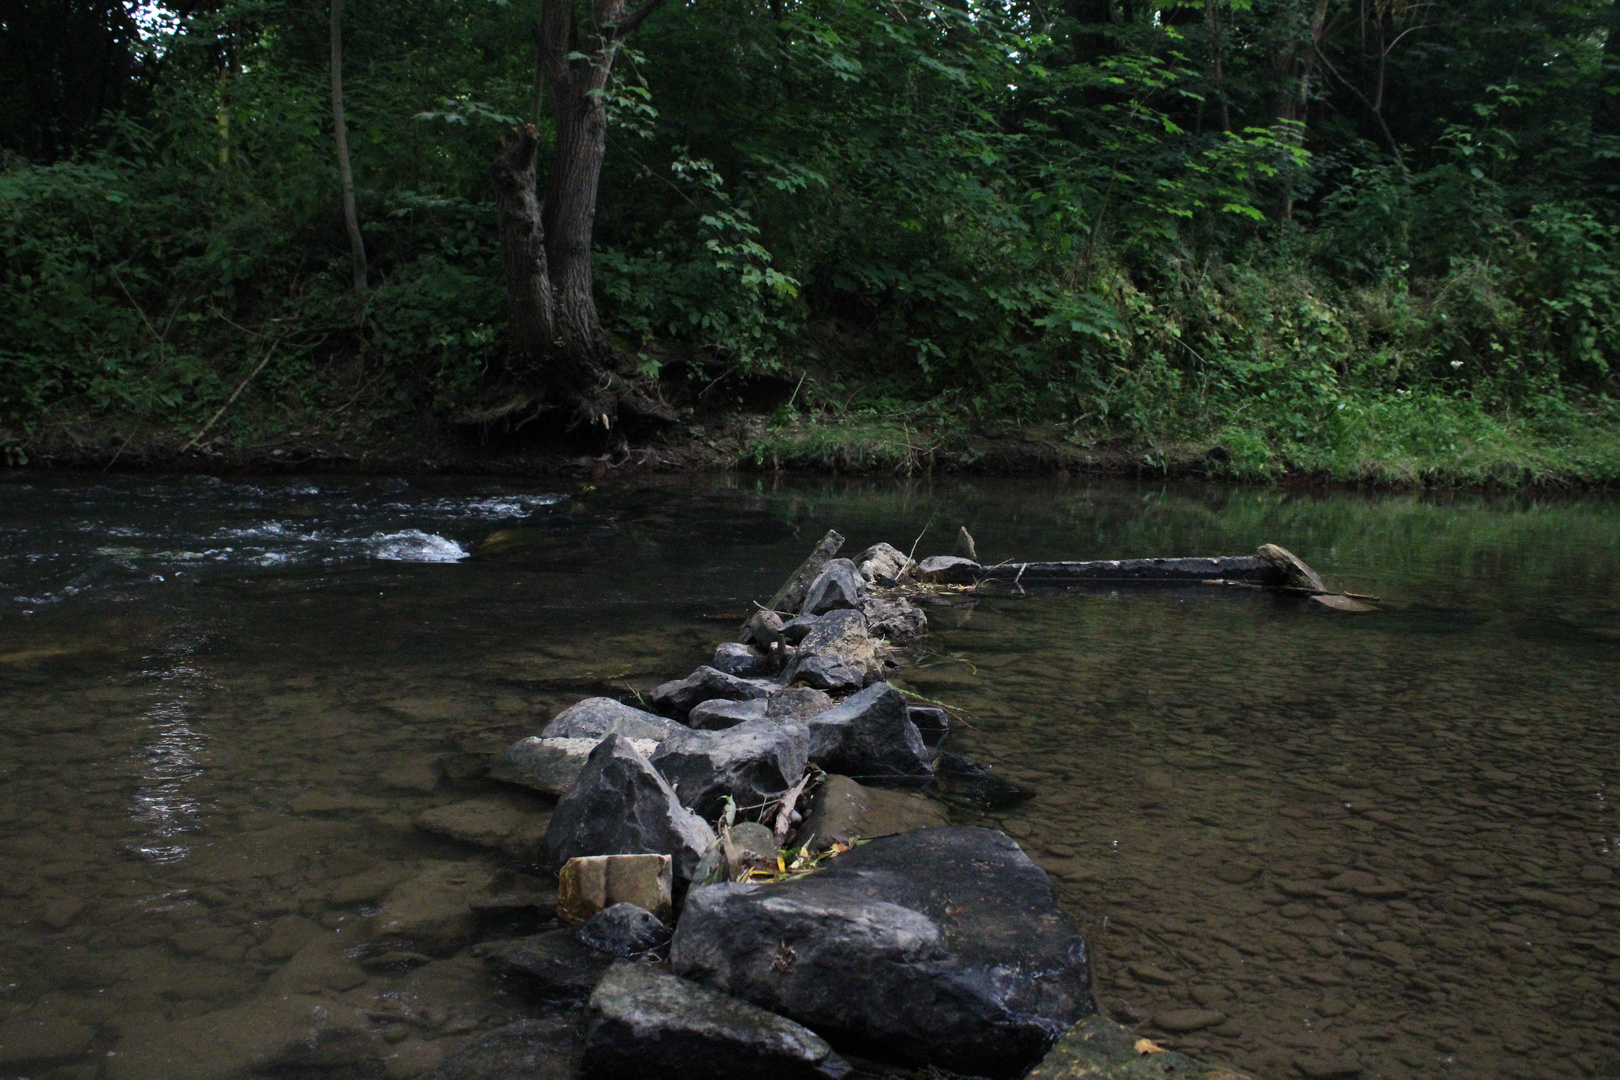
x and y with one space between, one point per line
1383 842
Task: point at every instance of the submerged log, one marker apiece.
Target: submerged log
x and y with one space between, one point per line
1247 569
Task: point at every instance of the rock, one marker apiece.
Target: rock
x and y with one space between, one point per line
869 734
763 628
33 1036
752 762
797 703
590 884
845 811
624 930
323 964
508 822
368 885
621 805
650 1025
948 570
273 1033
1328 1066
938 947
432 910
597 717
794 629
719 714
965 547
839 585
735 658
963 781
933 724
883 564
837 655
790 597
1291 568
676 698
1564 905
536 1049
554 963
551 765
1098 1049
896 620
747 847
1180 1021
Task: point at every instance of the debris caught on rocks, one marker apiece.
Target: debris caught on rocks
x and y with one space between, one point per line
592 883
648 1024
938 947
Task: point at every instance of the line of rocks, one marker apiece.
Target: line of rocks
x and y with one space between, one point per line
721 924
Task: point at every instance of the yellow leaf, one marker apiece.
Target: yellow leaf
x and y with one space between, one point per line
1148 1046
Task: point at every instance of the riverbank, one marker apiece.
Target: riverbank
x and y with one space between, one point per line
1391 444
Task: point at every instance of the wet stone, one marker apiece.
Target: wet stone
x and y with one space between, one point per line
869 734
532 1049
719 714
883 564
510 822
797 703
550 765
555 963
624 930
794 630
1099 1049
593 883
844 811
1180 1021
894 619
949 570
837 655
751 762
645 1023
737 659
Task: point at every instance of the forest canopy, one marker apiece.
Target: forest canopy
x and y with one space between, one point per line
1334 235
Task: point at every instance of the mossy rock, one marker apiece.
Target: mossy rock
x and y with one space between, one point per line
1098 1049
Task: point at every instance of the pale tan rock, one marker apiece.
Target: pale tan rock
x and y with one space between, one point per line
587 885
513 822
845 811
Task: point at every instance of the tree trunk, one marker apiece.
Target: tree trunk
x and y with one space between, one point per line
557 344
530 308
340 130
1213 16
1296 62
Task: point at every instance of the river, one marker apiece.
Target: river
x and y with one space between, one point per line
1383 842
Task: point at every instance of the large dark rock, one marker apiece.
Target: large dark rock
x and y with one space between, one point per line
896 620
597 717
719 714
837 655
883 564
534 1049
949 570
649 1025
555 963
938 947
839 585
933 723
869 734
965 782
752 762
797 703
735 658
624 930
621 805
676 698
790 597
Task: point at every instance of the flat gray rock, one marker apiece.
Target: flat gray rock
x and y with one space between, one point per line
596 717
949 570
735 658
797 703
883 564
650 1025
752 762
939 947
551 765
621 805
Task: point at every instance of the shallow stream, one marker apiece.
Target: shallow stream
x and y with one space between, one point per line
1300 842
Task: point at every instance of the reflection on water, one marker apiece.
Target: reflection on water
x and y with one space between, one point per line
1305 843
168 758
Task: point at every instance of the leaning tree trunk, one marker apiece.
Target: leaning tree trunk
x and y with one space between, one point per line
340 132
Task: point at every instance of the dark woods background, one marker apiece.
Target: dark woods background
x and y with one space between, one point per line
1315 232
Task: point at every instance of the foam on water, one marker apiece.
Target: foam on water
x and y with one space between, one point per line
414 545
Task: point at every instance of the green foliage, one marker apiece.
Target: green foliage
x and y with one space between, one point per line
931 217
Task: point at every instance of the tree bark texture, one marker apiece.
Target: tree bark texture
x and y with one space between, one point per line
340 131
557 340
